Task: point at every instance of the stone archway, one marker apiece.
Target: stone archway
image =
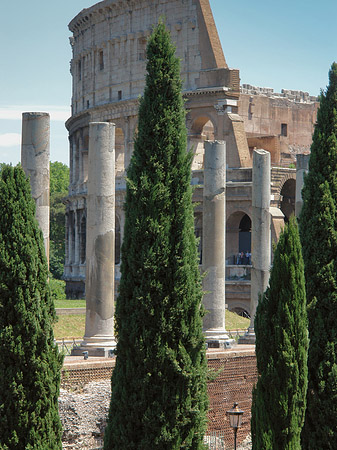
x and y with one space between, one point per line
202 130
287 198
241 311
83 238
119 152
198 233
238 236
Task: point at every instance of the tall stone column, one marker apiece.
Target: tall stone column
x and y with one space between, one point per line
302 167
100 242
214 239
35 157
261 242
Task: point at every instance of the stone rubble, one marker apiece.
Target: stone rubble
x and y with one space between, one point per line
83 415
246 444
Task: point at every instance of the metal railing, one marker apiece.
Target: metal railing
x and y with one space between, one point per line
66 345
215 440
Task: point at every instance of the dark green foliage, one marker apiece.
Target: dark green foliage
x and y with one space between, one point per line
159 397
29 362
318 229
59 181
57 288
279 398
59 178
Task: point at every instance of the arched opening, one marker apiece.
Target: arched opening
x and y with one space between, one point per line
119 152
117 241
238 238
287 198
72 236
198 233
83 238
245 239
85 157
241 312
202 130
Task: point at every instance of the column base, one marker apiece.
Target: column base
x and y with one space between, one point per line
218 338
99 346
248 338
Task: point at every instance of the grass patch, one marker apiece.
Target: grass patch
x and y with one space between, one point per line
69 303
69 326
72 326
236 322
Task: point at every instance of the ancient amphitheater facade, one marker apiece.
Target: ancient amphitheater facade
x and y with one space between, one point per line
108 71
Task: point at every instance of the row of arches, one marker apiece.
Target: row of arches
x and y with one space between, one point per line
202 129
238 231
77 235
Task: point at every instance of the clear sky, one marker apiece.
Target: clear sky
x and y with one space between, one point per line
288 44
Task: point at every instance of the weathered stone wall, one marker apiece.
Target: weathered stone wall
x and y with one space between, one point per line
109 42
289 116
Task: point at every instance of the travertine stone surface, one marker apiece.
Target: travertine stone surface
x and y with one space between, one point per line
302 168
108 70
214 238
99 326
35 156
261 243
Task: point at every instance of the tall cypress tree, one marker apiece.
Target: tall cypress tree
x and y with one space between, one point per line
29 361
279 399
159 397
318 229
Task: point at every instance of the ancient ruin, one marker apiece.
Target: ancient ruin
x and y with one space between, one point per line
261 242
100 242
302 168
108 67
35 155
214 241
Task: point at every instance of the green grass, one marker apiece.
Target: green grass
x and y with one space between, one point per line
236 322
72 326
69 303
69 326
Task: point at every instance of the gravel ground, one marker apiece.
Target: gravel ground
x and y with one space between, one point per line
83 415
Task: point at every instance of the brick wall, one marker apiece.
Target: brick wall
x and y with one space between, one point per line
232 375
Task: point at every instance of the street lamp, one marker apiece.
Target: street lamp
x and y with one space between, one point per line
235 418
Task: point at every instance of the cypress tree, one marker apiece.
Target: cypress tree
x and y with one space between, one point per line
29 361
159 397
318 230
279 398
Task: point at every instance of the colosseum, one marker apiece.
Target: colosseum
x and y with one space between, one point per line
108 72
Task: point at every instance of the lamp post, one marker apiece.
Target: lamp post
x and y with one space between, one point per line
235 418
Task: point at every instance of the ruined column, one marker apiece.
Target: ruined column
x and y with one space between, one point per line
35 156
302 167
214 239
100 241
261 244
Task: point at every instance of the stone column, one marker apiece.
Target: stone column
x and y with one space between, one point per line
35 156
302 167
100 242
214 239
261 243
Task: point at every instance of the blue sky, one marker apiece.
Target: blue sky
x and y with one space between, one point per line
288 44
